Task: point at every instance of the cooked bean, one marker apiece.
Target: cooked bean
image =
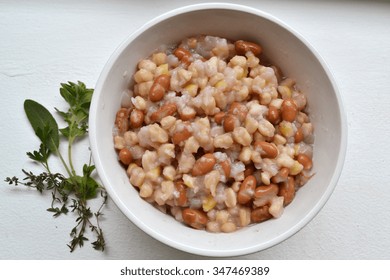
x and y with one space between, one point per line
249 169
264 194
188 113
159 88
181 200
287 190
273 115
298 137
247 190
167 109
305 161
136 118
267 150
289 110
260 214
281 176
180 136
122 120
239 110
230 122
218 117
194 218
242 47
266 191
204 165
125 156
226 168
183 55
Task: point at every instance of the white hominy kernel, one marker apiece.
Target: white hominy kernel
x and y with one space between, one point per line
157 134
228 227
147 65
276 208
137 176
149 160
146 189
245 155
159 58
139 103
231 198
222 216
131 138
169 172
242 136
224 141
143 75
119 142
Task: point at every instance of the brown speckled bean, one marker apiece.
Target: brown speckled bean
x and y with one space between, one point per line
287 190
247 190
204 165
242 47
167 109
289 110
194 218
159 88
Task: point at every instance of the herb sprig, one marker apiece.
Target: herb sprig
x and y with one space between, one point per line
69 192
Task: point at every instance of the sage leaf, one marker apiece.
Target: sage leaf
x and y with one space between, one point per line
43 123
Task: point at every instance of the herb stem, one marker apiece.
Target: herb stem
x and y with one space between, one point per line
64 163
70 156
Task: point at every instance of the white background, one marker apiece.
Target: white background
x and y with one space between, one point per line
45 43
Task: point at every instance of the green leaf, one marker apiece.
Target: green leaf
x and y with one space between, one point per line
43 123
76 94
79 99
65 131
41 155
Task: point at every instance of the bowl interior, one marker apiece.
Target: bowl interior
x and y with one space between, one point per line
284 48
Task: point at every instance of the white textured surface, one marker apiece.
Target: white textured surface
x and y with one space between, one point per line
43 44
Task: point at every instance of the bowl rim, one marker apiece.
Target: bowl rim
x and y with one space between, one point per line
187 247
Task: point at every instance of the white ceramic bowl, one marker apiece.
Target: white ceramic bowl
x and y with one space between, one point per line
285 48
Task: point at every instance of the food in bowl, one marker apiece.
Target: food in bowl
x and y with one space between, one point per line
214 136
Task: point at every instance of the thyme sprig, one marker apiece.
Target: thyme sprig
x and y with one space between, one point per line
70 192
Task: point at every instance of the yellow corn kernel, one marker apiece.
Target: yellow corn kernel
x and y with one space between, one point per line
191 89
153 174
296 168
286 129
209 203
284 91
161 69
